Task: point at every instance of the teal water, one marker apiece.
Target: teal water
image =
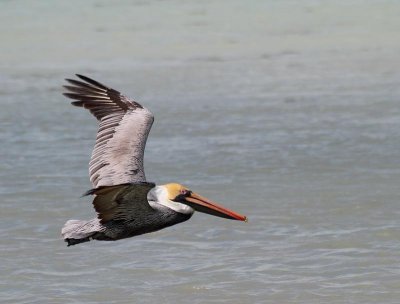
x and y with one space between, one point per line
286 111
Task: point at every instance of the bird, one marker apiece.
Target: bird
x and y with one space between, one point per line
126 203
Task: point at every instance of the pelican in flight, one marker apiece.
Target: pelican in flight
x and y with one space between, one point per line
126 204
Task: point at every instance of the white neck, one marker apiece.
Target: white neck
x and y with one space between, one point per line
159 196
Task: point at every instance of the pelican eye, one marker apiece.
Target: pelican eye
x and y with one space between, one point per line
182 194
185 192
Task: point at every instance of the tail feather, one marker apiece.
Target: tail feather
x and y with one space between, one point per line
76 231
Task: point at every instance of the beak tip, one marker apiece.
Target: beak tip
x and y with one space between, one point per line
246 219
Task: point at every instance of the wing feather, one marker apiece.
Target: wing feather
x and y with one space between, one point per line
121 202
124 125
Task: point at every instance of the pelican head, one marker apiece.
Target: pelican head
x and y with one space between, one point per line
182 200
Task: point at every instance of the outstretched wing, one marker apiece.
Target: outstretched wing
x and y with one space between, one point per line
124 125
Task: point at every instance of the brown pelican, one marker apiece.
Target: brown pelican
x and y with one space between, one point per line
126 204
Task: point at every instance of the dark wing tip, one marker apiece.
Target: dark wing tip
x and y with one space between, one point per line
92 82
70 95
79 99
86 90
77 103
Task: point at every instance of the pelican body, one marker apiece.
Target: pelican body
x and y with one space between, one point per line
126 204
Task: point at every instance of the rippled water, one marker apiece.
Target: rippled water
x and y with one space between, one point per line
285 111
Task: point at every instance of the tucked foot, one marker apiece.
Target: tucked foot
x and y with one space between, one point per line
76 241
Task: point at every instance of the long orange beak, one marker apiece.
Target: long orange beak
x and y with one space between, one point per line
204 205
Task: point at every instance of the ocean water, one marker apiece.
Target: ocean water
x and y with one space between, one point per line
285 111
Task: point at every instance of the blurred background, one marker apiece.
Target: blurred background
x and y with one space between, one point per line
286 111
